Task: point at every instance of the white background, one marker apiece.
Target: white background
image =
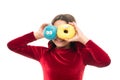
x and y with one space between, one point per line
98 19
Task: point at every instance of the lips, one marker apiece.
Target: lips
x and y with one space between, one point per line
59 40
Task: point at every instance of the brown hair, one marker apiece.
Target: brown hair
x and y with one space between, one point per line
65 17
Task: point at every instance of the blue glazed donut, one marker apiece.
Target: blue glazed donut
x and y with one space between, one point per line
50 32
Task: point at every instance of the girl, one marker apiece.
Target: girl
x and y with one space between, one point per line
62 59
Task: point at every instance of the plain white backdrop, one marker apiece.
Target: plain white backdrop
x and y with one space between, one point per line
98 19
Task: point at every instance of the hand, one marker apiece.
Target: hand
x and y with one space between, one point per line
39 33
79 36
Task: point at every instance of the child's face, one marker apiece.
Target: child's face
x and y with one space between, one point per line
59 42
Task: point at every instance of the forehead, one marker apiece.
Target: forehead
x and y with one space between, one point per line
59 22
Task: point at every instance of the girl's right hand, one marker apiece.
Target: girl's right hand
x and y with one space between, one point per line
39 33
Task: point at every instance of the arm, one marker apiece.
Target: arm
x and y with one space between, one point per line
20 44
92 53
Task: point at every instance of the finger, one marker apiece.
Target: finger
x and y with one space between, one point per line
71 23
44 25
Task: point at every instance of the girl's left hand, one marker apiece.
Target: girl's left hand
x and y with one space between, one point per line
79 36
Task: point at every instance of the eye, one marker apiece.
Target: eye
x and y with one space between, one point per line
48 32
65 26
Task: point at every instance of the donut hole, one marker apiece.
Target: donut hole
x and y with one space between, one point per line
65 31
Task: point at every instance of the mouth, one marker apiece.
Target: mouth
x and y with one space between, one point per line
59 40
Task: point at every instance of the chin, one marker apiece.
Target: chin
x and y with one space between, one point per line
63 46
60 46
61 43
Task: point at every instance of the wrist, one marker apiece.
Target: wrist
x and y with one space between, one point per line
84 40
37 35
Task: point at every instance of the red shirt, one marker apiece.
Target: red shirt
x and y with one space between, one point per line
61 64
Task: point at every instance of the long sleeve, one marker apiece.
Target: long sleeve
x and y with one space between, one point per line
20 46
94 55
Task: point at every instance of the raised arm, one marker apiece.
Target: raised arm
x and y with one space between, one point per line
96 56
92 53
20 44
